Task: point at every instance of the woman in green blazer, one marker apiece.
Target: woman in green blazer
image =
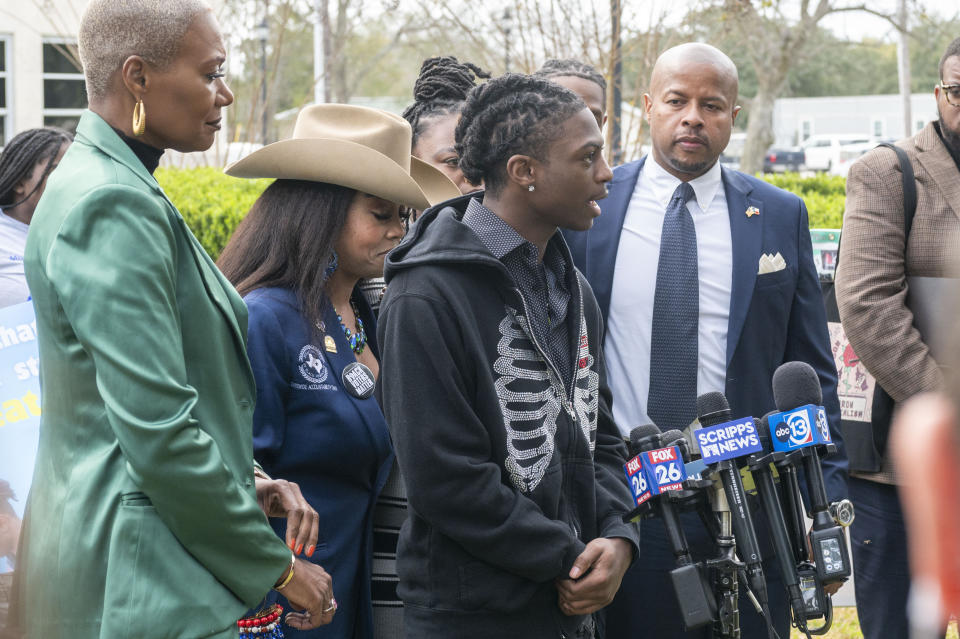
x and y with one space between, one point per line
143 517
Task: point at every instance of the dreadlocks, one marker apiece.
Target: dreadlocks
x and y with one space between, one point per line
509 115
23 152
441 89
568 67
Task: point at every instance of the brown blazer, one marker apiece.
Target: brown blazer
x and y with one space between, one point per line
871 277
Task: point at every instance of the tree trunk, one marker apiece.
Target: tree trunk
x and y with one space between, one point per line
759 131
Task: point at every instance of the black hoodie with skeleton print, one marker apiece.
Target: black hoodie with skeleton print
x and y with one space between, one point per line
509 469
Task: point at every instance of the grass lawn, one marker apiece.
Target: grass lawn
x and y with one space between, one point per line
845 626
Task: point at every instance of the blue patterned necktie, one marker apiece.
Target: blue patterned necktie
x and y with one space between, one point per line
672 400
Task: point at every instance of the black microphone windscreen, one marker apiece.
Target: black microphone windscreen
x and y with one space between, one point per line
796 384
670 437
712 408
642 432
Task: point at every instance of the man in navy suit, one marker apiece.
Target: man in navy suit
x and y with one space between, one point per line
706 279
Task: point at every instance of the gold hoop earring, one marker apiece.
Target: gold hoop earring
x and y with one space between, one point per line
139 118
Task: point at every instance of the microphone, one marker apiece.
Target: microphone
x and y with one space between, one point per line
694 597
713 410
759 464
791 498
802 425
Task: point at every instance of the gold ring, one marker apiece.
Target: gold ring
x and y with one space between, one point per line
331 607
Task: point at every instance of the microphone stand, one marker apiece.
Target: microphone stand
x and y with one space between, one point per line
725 567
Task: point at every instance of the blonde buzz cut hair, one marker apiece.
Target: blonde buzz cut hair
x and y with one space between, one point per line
113 30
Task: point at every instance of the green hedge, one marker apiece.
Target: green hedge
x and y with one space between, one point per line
213 203
824 195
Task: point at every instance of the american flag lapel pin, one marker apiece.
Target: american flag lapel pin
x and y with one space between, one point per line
751 211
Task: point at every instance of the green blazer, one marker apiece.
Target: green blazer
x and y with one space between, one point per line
142 519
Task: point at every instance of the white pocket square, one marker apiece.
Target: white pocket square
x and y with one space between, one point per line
771 264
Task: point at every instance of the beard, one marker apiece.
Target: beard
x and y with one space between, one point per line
950 136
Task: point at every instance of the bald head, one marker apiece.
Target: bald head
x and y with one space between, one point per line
683 56
691 108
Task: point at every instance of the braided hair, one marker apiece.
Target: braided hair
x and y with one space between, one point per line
568 67
509 115
23 152
440 89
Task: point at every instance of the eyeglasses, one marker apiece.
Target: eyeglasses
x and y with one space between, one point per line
951 92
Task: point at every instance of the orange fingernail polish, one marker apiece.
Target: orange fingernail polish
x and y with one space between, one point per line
299 548
310 551
291 544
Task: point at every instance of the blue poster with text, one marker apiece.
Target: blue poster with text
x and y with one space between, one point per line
19 412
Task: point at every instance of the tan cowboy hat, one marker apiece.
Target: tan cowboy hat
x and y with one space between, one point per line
357 147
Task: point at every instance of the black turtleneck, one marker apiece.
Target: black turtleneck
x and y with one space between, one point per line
954 153
148 155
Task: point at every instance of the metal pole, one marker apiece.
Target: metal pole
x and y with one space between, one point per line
319 73
615 111
263 75
506 40
903 64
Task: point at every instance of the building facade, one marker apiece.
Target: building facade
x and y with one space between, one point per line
41 80
876 116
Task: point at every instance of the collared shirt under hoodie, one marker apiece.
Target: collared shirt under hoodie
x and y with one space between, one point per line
543 284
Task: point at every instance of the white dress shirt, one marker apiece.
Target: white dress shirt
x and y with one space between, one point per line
630 321
13 283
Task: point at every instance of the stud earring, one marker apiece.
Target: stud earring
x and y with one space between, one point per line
139 118
531 188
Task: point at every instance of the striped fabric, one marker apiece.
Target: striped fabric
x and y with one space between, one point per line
389 514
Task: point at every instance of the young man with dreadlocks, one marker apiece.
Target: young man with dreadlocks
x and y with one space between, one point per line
25 164
494 388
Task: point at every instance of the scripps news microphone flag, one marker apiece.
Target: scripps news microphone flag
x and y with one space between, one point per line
19 405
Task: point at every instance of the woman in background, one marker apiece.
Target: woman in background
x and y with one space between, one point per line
337 209
26 162
438 97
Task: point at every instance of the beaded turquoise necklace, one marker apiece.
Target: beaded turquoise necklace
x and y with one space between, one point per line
358 340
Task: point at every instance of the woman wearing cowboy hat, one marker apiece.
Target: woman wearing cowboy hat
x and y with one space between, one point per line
329 220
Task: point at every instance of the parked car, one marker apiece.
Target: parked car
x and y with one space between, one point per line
850 153
779 160
730 158
822 151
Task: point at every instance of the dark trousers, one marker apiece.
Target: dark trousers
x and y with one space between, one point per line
881 568
646 608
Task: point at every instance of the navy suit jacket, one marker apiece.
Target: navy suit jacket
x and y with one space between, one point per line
774 318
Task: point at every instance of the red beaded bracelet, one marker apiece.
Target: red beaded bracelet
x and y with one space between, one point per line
264 625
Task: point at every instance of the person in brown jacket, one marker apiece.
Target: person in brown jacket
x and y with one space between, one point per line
872 290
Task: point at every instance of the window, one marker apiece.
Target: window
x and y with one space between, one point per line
5 120
64 93
876 127
806 130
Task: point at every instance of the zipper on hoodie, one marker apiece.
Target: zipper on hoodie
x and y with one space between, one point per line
568 396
